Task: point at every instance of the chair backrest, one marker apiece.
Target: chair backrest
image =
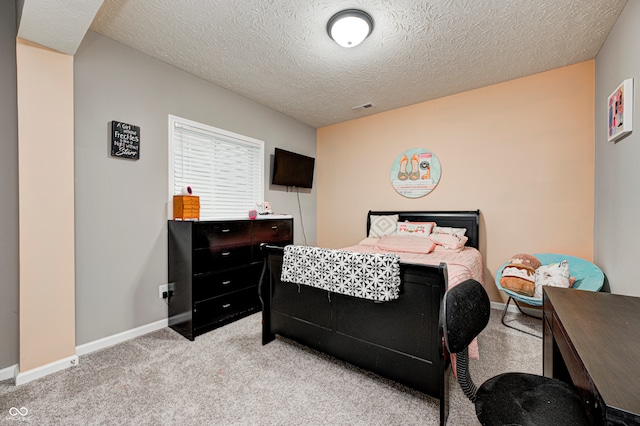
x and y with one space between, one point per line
465 313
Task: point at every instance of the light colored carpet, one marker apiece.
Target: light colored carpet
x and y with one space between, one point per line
226 377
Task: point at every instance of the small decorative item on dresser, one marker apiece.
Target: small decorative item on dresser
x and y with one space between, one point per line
186 207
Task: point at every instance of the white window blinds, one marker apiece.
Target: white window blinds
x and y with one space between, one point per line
225 169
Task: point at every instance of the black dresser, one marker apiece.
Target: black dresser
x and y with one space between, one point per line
214 268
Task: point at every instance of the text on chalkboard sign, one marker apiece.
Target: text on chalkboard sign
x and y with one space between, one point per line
125 140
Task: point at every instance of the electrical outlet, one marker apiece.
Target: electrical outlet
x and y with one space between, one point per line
163 288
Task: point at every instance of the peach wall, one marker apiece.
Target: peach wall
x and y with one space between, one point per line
522 152
46 203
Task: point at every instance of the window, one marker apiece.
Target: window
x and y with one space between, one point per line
225 169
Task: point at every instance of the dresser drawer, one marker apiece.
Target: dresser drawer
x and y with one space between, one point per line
219 309
274 232
212 259
217 284
221 234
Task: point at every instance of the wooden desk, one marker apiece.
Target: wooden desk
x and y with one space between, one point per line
593 341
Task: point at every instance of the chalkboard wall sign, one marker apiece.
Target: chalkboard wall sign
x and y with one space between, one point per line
125 140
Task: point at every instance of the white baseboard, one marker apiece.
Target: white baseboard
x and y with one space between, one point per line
87 348
105 342
45 370
36 373
8 373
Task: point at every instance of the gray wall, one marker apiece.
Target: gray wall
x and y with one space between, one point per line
19 8
121 205
9 268
617 174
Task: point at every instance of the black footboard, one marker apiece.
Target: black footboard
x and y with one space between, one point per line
400 340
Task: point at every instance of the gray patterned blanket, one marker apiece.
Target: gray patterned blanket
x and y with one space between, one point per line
374 276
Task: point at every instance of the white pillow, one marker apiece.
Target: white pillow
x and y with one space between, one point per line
416 229
449 241
443 249
449 230
383 225
555 275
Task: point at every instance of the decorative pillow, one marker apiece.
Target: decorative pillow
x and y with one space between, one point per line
383 225
527 260
449 241
448 230
417 229
405 243
446 249
519 278
556 275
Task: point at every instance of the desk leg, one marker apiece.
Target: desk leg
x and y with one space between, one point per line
555 366
547 348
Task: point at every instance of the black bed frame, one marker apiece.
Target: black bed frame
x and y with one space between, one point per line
400 340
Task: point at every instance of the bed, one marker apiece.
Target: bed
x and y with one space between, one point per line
398 339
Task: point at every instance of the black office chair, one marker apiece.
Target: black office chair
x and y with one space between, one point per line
509 398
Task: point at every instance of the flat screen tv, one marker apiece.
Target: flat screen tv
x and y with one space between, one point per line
291 169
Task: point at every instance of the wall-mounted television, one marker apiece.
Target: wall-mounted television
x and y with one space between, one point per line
291 169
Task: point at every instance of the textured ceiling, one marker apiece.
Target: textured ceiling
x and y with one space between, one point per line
57 24
278 53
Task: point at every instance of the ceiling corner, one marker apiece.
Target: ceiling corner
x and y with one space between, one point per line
57 24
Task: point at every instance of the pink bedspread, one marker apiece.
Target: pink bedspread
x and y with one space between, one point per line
460 266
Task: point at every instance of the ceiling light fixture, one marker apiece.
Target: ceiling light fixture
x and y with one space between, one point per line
350 27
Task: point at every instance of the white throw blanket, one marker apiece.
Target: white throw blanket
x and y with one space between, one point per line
374 276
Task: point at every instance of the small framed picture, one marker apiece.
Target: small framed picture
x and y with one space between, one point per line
620 109
125 140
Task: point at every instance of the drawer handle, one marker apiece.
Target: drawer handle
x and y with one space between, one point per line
226 253
226 305
226 230
274 227
226 282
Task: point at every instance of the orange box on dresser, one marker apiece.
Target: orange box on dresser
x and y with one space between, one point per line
186 207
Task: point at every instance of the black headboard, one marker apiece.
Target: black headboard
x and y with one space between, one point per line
459 219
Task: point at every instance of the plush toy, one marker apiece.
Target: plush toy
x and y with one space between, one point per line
555 275
526 259
519 275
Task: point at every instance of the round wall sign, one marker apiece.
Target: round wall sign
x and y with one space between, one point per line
415 173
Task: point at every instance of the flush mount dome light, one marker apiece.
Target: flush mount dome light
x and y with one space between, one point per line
350 27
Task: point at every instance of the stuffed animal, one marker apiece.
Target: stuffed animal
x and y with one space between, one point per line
519 275
526 259
555 275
